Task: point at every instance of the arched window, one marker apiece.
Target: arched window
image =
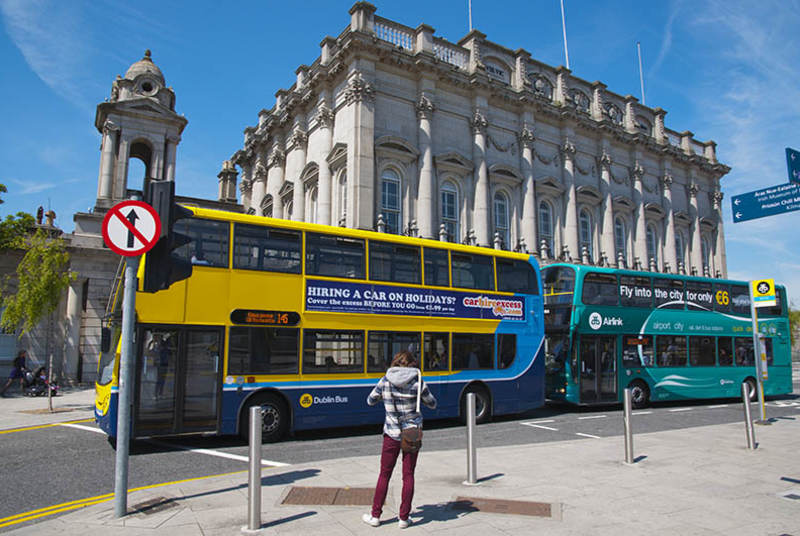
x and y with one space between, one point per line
390 201
449 210
288 210
620 239
546 226
652 245
266 206
341 195
501 219
311 205
706 253
585 232
680 248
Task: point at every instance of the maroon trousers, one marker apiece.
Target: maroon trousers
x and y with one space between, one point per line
389 452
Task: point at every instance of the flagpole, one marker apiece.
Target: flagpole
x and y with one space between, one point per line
564 29
641 75
470 15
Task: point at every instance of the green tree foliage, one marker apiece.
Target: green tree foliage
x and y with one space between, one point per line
794 322
3 190
42 276
15 229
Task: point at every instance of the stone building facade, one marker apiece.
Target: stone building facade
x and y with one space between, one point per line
393 128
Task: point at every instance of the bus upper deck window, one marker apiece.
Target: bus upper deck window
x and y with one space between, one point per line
473 271
394 262
599 289
699 295
635 291
209 241
334 256
559 284
437 265
516 276
668 293
740 300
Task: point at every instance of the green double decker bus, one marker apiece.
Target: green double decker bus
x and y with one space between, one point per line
664 336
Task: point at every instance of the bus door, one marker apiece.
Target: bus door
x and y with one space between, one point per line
178 380
598 368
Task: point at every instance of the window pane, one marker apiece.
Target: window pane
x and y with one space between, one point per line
637 351
699 296
394 262
382 346
472 351
619 238
209 245
725 351
257 247
635 291
559 284
701 351
744 351
740 300
334 256
777 309
671 350
652 249
599 289
473 271
516 276
506 349
668 293
436 351
263 350
329 352
437 268
768 350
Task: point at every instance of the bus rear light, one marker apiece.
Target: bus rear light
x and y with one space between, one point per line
251 379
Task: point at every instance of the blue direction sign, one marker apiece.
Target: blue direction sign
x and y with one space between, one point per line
766 202
793 164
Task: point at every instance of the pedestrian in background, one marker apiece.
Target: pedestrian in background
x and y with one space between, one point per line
398 389
17 372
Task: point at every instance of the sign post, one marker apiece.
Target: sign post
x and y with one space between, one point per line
130 228
762 294
770 201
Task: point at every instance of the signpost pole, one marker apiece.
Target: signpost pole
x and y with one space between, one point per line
757 354
125 389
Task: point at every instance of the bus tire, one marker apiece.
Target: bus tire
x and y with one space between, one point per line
483 405
752 392
640 394
275 418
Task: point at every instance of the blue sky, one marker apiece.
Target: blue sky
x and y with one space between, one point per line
726 70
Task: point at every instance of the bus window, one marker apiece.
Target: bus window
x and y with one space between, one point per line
777 309
559 284
635 291
722 297
516 276
671 350
556 348
263 350
473 271
329 351
701 351
699 296
436 351
394 262
382 346
743 351
506 349
472 351
637 351
740 300
599 289
668 293
334 256
256 247
768 350
209 244
725 351
437 267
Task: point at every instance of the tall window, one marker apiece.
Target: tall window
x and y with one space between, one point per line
342 197
546 226
585 229
620 236
390 201
706 252
680 248
450 211
311 206
288 210
501 219
652 248
266 206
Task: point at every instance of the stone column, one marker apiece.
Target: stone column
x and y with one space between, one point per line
659 132
107 158
259 185
360 113
275 175
157 165
426 194
121 170
670 255
480 209
172 146
526 141
720 260
72 329
570 202
227 183
640 241
246 186
697 249
297 157
607 236
324 191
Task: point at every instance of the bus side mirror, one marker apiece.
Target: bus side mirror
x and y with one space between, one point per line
105 340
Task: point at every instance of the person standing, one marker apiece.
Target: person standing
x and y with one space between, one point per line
398 389
18 371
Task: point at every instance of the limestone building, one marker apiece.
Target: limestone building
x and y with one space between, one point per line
393 128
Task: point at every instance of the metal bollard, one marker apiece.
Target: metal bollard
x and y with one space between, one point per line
628 428
472 457
254 472
748 420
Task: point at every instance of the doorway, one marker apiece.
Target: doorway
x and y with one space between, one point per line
598 368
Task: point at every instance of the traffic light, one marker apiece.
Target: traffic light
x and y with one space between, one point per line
163 266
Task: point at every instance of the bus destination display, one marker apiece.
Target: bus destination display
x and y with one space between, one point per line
264 318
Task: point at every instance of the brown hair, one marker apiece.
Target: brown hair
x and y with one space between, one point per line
404 359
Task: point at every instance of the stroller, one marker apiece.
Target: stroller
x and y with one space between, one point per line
36 384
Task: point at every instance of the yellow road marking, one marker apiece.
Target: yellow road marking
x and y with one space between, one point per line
43 426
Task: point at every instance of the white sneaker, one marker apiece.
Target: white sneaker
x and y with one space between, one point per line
404 523
371 521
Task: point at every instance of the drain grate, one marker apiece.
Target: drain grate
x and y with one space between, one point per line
502 506
310 496
153 506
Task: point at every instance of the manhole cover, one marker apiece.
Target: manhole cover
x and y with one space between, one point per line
300 495
503 506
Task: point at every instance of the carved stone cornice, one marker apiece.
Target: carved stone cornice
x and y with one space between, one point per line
246 186
325 116
692 189
358 90
568 149
526 136
478 123
110 126
637 172
666 181
299 138
716 199
276 158
425 107
605 161
260 172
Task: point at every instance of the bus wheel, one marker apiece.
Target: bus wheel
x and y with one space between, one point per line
274 415
483 405
752 393
640 394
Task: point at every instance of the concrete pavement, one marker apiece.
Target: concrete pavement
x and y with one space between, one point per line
698 481
18 411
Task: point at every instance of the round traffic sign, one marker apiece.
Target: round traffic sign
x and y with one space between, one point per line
131 228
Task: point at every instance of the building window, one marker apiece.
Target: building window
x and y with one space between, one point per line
390 201
501 219
288 210
266 206
546 226
652 248
311 206
680 248
585 228
620 235
450 211
706 253
341 213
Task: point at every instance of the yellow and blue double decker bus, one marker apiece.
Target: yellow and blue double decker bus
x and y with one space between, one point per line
302 320
664 336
